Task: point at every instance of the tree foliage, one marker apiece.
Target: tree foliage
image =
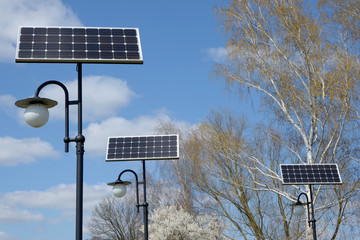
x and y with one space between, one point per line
301 59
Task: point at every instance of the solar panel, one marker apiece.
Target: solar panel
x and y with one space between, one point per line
153 147
79 45
310 174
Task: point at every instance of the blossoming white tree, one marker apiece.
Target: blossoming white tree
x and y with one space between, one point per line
170 223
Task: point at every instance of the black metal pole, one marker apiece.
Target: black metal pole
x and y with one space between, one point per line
145 205
313 220
79 139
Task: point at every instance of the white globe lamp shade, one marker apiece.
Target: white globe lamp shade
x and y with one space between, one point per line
299 210
36 115
119 190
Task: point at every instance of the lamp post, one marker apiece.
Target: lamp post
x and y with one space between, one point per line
299 210
36 115
119 190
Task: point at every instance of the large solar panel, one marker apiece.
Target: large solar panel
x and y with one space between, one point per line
153 147
310 174
79 45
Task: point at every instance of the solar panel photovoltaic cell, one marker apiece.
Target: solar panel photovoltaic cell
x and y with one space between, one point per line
153 147
79 45
310 174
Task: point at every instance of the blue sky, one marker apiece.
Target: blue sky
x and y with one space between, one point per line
180 43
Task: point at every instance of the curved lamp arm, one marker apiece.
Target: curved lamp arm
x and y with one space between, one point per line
67 103
313 220
307 204
136 185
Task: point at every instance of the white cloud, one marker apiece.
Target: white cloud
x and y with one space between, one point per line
15 215
16 151
103 96
30 13
97 133
217 55
17 206
60 197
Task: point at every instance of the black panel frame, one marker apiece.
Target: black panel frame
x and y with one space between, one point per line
310 174
79 45
137 148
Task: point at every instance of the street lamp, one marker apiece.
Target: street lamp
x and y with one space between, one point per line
299 210
119 190
36 115
136 148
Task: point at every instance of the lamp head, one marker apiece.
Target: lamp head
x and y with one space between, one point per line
299 208
119 188
36 110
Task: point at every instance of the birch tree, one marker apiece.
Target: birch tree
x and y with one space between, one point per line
237 166
301 59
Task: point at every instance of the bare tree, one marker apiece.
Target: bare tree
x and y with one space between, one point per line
230 165
302 62
115 219
234 170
